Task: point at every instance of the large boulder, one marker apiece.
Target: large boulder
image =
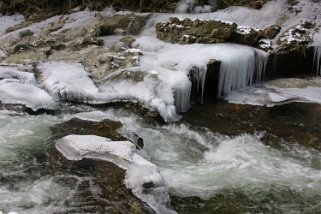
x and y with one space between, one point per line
187 31
120 162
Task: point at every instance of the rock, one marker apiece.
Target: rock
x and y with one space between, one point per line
106 128
209 32
146 184
257 38
114 196
247 36
294 122
187 31
128 40
119 25
257 4
271 32
296 38
25 33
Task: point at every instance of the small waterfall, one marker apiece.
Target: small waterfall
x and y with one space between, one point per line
194 6
238 74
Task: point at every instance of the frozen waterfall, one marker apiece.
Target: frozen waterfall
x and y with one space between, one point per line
317 52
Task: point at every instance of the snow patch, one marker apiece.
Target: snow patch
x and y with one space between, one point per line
9 21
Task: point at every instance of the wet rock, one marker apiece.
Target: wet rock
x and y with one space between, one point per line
134 170
294 123
187 31
114 197
106 128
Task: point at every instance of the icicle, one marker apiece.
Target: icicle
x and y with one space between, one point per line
317 58
198 75
317 52
182 91
236 74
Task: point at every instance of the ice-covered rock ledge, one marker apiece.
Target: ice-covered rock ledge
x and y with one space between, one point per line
142 176
19 88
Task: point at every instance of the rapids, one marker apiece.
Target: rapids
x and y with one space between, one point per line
193 161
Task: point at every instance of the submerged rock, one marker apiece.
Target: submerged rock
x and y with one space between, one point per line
294 122
106 128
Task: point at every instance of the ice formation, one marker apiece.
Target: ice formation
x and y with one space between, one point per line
317 52
139 171
12 92
279 92
12 72
67 81
20 88
71 82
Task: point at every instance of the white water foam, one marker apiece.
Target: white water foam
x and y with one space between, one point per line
198 162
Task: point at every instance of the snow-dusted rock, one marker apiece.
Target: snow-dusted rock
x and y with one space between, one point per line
142 176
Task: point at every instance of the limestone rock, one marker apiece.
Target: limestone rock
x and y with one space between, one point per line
187 31
297 38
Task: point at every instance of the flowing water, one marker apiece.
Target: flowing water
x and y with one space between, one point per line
204 171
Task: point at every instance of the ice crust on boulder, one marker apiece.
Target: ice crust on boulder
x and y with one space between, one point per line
67 81
13 92
139 171
19 88
12 72
71 82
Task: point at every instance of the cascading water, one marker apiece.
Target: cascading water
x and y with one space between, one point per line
196 162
